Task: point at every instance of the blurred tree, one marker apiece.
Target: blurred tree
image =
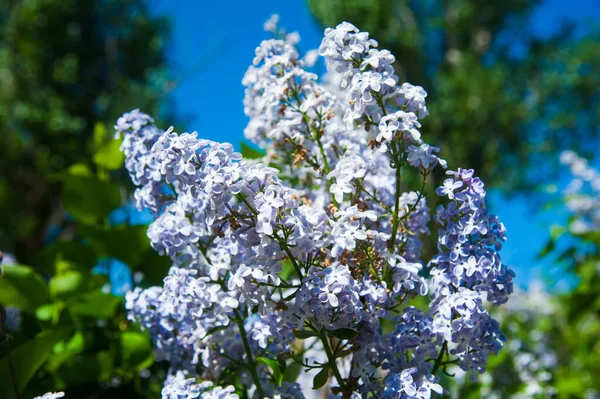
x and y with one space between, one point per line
553 346
64 66
501 99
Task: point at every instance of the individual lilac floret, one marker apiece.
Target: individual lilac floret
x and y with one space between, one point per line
414 99
348 169
348 229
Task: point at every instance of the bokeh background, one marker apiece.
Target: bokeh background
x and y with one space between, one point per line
511 84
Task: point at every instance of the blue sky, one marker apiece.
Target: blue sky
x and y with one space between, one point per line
213 43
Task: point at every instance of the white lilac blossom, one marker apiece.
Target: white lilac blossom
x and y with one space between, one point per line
178 386
302 256
583 193
51 395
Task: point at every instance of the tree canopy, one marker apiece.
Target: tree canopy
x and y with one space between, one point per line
65 66
503 100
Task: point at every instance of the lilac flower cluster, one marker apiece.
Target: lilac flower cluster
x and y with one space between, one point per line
469 242
180 315
313 259
139 135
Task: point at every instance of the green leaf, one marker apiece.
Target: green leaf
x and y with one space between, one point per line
89 199
27 359
100 135
548 248
344 333
95 304
557 231
136 350
292 372
275 367
250 152
78 169
287 269
321 378
109 156
68 284
22 288
304 334
50 311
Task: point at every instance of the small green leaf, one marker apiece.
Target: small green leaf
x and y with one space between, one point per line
79 169
275 367
250 152
136 350
65 350
304 334
109 156
287 269
22 288
344 333
557 231
548 248
321 378
50 311
31 355
67 284
292 372
100 135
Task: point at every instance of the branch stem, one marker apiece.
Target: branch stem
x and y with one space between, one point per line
251 363
395 218
331 359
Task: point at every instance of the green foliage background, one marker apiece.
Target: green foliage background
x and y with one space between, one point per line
68 69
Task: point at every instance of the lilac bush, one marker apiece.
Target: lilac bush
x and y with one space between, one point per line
310 258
